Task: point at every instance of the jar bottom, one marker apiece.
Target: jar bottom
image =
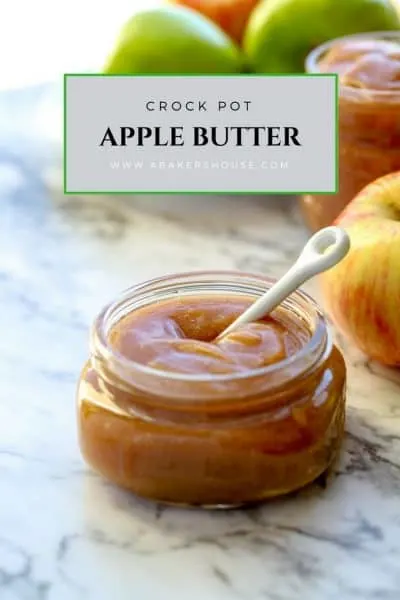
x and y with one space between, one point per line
231 484
325 473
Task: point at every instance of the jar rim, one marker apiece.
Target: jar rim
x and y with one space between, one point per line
320 335
313 58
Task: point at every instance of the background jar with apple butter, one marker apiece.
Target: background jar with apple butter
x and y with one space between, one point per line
187 428
368 66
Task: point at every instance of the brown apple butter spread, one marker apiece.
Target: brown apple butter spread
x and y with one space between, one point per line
368 66
173 416
179 336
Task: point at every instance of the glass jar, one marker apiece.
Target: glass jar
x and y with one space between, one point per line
212 440
369 136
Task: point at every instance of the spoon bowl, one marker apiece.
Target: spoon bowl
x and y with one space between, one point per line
323 251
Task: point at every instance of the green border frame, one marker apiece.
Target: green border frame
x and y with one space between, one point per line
335 76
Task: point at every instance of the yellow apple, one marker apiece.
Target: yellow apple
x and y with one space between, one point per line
230 15
362 293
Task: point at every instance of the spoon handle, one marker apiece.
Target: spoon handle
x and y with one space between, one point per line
322 251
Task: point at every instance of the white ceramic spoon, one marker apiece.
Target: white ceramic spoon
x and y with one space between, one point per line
323 250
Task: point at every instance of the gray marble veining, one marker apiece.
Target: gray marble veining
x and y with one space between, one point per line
65 534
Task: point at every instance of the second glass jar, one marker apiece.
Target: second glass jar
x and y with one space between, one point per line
369 131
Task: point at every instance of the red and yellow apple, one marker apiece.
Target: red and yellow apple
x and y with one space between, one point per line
230 15
362 293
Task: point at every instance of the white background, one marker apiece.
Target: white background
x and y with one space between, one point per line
41 39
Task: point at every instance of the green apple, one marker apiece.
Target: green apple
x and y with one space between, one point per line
173 39
280 33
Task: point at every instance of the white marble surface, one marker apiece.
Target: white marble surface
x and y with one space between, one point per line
64 533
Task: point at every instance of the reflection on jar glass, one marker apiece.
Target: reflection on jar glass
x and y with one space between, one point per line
369 116
218 434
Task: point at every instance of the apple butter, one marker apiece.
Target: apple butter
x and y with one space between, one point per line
175 416
368 66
